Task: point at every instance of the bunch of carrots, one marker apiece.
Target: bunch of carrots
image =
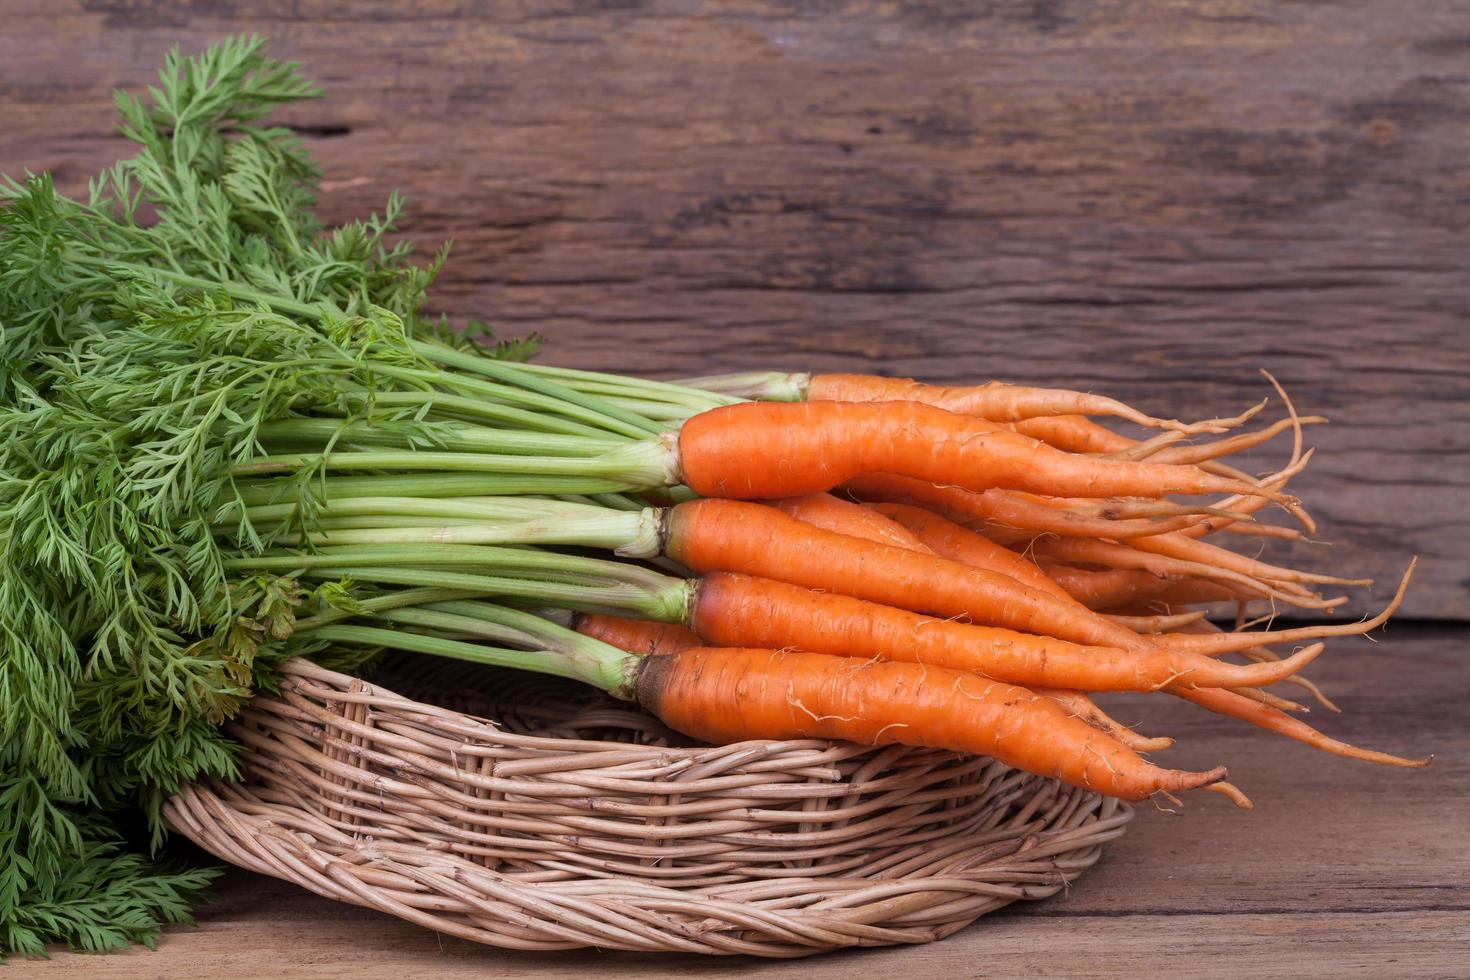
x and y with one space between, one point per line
875 561
232 436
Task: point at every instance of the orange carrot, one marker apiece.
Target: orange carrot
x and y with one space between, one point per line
1155 624
1206 451
1087 551
727 695
986 555
949 540
725 535
1215 644
1174 545
1004 510
641 636
1264 716
762 450
845 517
995 401
644 637
1075 434
738 610
1116 586
1079 705
1261 654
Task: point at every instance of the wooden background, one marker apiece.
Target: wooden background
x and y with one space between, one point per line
1152 200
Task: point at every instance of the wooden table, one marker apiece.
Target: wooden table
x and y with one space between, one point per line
1344 869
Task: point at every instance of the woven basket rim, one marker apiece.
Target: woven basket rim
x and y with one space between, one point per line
554 841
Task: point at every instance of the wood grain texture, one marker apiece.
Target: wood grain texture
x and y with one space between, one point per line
1149 199
1344 869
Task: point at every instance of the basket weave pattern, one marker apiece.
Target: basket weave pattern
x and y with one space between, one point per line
572 820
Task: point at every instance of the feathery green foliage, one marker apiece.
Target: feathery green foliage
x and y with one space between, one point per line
147 330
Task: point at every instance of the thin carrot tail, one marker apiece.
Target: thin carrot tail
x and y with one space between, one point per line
1231 792
1228 703
1079 705
1212 644
1157 624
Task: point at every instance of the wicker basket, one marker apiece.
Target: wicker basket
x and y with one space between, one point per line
572 820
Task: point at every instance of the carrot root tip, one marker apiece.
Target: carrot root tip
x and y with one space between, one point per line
1232 792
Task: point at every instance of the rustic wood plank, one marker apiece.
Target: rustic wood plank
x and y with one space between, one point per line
1270 944
1148 199
1344 869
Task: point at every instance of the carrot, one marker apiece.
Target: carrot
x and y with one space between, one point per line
1081 706
1004 510
1155 624
1219 643
984 554
1206 451
845 517
1115 586
727 695
949 540
1075 434
1084 551
1174 545
1261 654
738 610
1176 689
1269 699
995 401
647 637
762 450
644 637
1271 719
725 535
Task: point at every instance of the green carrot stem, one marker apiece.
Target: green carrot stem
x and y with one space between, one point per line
427 378
464 627
514 625
457 437
596 382
482 410
667 604
644 464
526 562
631 534
767 386
661 412
382 603
253 492
435 508
613 673
614 419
